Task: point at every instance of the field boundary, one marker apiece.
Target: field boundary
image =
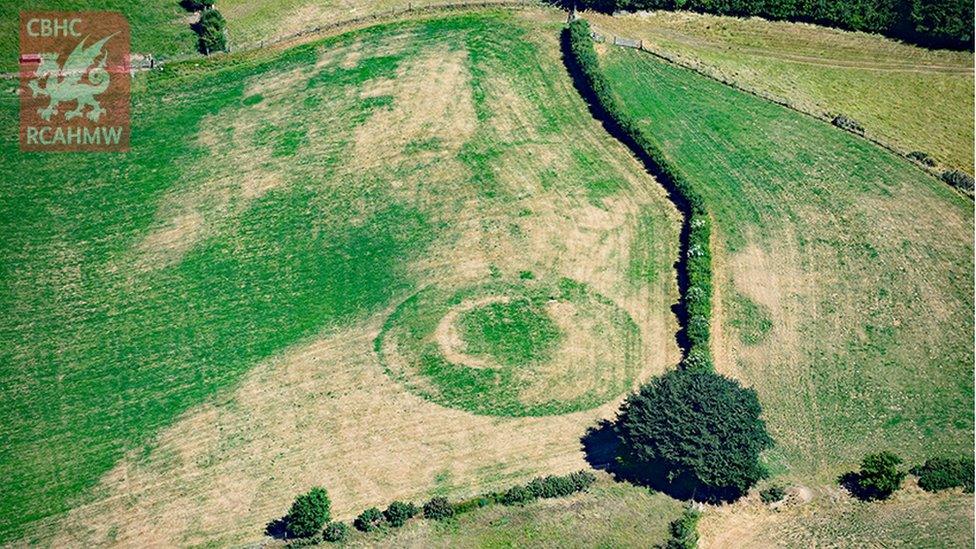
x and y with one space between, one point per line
612 39
694 265
147 61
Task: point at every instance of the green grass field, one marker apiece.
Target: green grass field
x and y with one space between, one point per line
909 97
844 273
270 202
160 27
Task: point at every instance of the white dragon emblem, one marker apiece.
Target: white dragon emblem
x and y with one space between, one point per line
63 83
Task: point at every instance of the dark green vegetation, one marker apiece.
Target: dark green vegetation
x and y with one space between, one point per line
684 531
772 494
438 509
308 513
695 264
398 513
311 511
335 532
513 333
878 478
695 434
871 339
212 29
939 23
960 180
507 325
942 473
369 520
102 352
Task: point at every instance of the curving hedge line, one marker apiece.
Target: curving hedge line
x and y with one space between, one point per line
695 260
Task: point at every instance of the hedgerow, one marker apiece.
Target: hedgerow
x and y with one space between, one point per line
438 509
939 23
697 257
398 513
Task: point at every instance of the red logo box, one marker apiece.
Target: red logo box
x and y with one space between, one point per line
74 81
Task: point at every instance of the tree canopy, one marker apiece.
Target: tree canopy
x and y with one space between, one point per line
697 428
309 512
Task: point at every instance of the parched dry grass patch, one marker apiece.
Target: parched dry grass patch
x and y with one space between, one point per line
833 518
912 98
215 316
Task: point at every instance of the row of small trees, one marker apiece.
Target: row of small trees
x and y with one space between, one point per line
310 515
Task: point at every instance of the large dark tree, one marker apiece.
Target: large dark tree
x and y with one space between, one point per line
694 433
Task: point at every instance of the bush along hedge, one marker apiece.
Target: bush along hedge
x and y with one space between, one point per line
309 512
369 520
335 532
943 473
684 531
695 264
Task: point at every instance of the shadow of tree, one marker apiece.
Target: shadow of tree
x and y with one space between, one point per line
603 451
851 481
277 528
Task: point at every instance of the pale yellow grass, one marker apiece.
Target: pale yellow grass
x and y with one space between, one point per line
826 516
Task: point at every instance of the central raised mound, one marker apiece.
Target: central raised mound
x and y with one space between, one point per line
507 349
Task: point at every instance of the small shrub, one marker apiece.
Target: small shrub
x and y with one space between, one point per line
550 487
684 531
369 520
942 473
335 532
438 509
211 29
922 158
517 495
848 123
398 513
772 494
526 275
878 478
960 180
309 512
582 480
